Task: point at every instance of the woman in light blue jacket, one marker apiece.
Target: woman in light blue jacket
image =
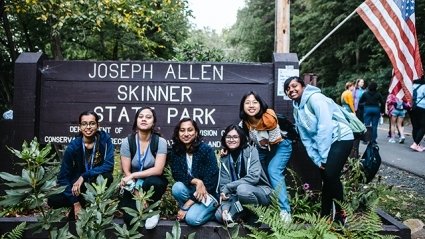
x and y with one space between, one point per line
328 141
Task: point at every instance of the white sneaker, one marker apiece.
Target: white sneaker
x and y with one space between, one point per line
285 216
391 140
151 222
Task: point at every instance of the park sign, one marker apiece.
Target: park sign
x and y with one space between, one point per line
50 95
209 93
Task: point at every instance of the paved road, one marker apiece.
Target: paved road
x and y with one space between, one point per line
399 155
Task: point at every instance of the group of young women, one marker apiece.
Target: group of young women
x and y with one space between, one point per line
251 168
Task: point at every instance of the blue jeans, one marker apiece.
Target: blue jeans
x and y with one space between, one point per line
371 118
274 164
198 213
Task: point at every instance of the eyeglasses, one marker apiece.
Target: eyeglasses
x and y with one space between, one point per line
232 137
84 124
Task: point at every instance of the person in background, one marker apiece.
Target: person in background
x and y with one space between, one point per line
195 169
328 142
143 167
374 106
347 99
417 115
88 155
396 111
357 94
261 125
242 177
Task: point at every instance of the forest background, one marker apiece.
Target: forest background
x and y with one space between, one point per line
161 30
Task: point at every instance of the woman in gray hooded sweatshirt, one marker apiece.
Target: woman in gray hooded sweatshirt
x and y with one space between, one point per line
242 179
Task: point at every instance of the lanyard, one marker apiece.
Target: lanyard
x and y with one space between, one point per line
142 160
86 163
189 164
232 168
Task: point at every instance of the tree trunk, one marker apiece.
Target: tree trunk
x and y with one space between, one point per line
56 47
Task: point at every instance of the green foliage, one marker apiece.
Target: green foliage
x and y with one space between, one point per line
16 233
176 232
168 206
360 205
37 181
94 220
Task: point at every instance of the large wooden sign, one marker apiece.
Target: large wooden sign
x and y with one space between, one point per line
210 93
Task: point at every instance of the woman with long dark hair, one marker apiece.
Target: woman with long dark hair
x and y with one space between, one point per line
328 142
145 165
195 170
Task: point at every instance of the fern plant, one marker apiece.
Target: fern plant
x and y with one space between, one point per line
16 233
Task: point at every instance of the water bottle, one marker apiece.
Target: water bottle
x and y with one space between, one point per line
381 120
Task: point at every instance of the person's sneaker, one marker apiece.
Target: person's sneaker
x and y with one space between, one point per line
391 141
151 222
285 216
401 140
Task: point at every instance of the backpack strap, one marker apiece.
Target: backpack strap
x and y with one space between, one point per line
132 144
153 144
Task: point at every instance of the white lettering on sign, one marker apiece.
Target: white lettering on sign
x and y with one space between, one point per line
202 116
188 72
57 139
210 132
167 93
121 71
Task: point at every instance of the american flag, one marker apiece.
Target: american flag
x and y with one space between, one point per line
393 23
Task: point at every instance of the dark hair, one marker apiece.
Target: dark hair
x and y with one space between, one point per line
242 136
357 83
137 116
263 106
372 86
180 147
288 81
89 112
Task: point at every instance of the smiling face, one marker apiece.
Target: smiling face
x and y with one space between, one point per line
187 133
232 140
251 106
294 90
145 120
88 125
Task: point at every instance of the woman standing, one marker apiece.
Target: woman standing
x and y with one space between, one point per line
357 94
374 107
328 142
89 154
195 170
417 115
397 111
261 124
145 165
241 175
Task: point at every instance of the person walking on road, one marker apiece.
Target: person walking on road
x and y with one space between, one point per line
374 107
397 109
417 115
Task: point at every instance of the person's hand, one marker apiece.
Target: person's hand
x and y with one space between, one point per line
124 180
223 152
201 191
77 209
76 187
223 197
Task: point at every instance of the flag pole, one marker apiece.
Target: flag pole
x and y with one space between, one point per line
326 37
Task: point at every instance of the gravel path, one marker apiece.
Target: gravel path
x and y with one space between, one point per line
402 179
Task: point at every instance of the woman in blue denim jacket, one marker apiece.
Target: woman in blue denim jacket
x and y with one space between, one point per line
195 169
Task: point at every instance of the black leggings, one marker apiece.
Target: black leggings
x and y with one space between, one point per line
331 176
159 184
417 117
60 200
